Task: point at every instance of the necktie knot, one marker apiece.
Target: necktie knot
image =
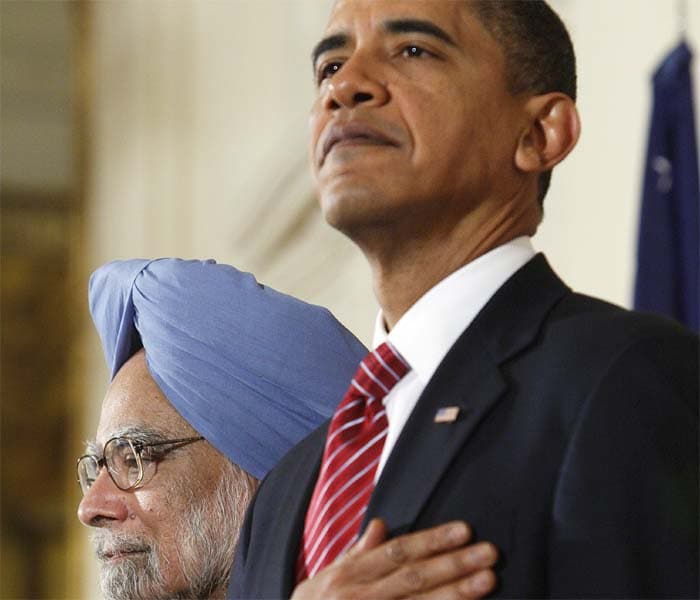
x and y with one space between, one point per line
376 375
380 370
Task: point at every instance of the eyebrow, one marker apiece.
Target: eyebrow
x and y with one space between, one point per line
418 26
145 435
395 26
332 42
142 433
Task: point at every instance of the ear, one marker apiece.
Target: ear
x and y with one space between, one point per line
552 132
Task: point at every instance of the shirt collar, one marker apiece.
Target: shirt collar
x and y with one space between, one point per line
427 331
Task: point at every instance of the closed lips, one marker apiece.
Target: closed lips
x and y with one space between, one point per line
105 556
354 133
119 551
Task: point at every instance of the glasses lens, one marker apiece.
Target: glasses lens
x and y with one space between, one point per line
88 470
123 462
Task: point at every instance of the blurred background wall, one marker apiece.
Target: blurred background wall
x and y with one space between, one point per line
177 128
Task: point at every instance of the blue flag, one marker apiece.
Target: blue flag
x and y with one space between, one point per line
669 246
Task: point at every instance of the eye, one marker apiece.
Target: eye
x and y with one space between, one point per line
414 51
327 70
130 461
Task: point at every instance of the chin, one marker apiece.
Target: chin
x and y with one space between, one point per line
134 577
342 215
344 209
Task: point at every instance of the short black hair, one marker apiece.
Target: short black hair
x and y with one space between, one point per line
539 55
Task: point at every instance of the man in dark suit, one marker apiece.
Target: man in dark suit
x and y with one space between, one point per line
562 428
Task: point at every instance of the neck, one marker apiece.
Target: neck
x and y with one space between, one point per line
405 266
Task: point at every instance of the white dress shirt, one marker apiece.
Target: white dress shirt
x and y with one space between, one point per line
427 331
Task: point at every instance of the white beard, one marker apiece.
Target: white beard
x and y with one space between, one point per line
207 533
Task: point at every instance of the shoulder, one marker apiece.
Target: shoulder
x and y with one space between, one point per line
586 324
613 341
297 466
299 456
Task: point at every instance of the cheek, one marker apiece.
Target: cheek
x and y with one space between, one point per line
437 120
161 515
316 124
156 508
445 144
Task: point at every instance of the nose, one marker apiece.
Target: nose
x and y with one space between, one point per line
357 82
103 503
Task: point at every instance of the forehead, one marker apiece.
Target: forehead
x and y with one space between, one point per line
351 16
354 20
134 401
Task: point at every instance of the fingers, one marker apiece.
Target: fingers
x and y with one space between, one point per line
460 573
374 535
433 564
373 564
470 587
417 546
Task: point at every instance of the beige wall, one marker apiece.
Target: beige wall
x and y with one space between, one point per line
197 123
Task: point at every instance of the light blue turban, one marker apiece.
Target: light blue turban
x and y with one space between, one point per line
251 369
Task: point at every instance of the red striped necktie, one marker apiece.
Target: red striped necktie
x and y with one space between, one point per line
353 448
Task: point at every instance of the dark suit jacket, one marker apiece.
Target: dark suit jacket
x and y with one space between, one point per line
575 453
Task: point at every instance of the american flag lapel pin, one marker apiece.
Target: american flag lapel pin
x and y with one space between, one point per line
446 414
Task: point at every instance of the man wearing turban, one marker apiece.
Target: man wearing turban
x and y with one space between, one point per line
214 378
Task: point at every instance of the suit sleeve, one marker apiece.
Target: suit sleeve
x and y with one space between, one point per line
625 511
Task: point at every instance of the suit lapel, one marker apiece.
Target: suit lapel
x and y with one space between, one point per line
289 525
418 467
469 378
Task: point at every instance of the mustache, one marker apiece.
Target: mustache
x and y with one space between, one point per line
108 544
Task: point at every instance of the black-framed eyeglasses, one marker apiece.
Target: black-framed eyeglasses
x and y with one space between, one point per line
130 463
